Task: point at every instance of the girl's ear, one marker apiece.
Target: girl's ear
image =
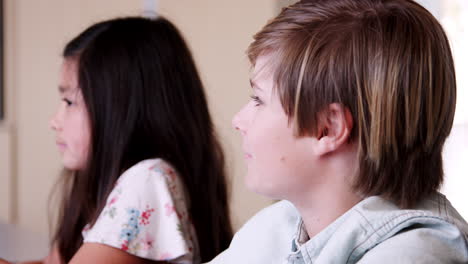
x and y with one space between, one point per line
334 129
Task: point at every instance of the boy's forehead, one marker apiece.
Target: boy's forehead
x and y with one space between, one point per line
262 68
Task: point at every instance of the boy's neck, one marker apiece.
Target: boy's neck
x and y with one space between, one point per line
322 204
325 209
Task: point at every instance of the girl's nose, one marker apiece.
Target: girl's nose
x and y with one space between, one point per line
54 123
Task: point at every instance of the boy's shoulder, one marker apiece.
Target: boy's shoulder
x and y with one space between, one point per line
376 230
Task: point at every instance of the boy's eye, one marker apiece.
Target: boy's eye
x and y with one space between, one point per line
256 99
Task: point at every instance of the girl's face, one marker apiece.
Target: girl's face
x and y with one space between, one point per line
279 165
71 121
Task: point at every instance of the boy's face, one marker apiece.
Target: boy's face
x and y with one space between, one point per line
279 165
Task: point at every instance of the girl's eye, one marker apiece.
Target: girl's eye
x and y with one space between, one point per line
256 99
68 102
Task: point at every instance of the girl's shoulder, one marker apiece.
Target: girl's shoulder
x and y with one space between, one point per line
151 180
146 215
157 165
148 170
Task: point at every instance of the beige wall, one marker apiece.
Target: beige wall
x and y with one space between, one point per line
6 186
218 33
7 142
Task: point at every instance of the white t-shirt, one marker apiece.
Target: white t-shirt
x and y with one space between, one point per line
146 216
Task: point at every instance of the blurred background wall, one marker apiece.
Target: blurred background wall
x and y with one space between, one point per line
218 32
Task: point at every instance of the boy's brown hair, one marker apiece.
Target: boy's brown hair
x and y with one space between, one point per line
389 62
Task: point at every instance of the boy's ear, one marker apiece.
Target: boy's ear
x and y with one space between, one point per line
334 130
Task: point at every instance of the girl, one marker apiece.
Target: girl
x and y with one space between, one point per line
147 181
352 103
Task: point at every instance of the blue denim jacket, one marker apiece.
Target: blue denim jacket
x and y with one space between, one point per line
373 231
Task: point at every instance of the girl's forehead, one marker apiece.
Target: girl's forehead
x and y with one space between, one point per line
68 77
69 90
69 66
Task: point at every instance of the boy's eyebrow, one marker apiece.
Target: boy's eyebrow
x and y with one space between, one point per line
254 85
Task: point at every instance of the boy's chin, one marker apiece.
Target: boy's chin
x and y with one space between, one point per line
263 187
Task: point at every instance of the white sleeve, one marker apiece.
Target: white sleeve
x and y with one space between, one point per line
264 238
144 216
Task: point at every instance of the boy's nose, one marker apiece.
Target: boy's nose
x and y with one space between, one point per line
237 123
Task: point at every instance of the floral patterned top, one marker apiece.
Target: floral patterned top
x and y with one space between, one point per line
146 215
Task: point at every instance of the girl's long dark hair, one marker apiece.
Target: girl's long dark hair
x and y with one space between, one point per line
145 100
